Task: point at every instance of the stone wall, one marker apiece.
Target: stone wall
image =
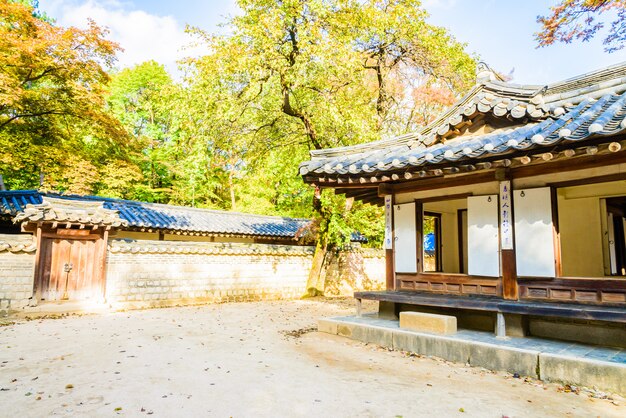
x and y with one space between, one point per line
353 270
143 273
154 273
17 268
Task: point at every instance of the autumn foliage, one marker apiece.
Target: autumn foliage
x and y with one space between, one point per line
52 108
579 20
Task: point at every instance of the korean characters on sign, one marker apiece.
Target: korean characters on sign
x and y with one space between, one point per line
506 216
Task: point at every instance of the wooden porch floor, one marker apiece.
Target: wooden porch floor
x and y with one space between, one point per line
495 304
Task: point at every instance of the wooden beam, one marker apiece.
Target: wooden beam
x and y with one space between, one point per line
447 197
443 182
345 184
589 180
569 164
359 194
373 200
385 189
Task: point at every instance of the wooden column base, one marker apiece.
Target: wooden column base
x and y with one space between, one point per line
389 274
509 275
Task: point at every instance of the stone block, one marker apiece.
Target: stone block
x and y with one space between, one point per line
387 310
432 345
510 359
327 325
516 325
366 334
427 322
607 376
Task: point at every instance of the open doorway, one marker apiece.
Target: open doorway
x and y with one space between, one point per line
432 242
445 236
616 236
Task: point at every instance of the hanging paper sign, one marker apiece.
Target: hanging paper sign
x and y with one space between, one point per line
506 216
388 231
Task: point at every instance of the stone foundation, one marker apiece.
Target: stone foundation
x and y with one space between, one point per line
547 360
354 270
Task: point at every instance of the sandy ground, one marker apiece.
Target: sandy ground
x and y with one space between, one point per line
248 359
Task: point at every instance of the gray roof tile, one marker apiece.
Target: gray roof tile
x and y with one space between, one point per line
591 118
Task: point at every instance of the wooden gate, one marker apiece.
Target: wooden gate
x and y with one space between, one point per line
71 266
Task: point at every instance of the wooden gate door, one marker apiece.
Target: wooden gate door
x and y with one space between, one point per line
70 270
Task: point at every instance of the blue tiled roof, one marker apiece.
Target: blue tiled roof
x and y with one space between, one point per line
168 217
12 202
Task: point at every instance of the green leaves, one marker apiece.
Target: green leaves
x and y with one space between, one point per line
286 77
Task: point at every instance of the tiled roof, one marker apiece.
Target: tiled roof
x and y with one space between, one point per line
603 117
16 243
167 217
569 112
70 212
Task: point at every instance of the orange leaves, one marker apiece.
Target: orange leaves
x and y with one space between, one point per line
52 110
578 20
49 69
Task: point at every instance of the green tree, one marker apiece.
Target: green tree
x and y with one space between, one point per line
144 99
297 75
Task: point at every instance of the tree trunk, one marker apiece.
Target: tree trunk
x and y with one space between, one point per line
231 186
315 282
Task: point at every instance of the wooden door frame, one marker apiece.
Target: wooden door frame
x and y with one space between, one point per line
461 234
438 241
46 234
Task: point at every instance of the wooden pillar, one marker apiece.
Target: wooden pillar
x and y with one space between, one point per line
419 235
507 248
101 258
556 233
389 273
509 275
389 239
39 266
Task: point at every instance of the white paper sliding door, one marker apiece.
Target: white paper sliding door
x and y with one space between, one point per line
483 257
405 242
534 237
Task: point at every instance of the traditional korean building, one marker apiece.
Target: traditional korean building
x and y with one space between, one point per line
508 210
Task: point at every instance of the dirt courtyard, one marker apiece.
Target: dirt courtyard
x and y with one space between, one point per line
249 359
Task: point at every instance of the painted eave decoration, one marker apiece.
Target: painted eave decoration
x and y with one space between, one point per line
495 124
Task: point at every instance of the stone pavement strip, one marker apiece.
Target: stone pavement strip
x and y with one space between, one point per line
559 361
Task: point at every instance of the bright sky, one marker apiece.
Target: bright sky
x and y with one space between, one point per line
500 32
